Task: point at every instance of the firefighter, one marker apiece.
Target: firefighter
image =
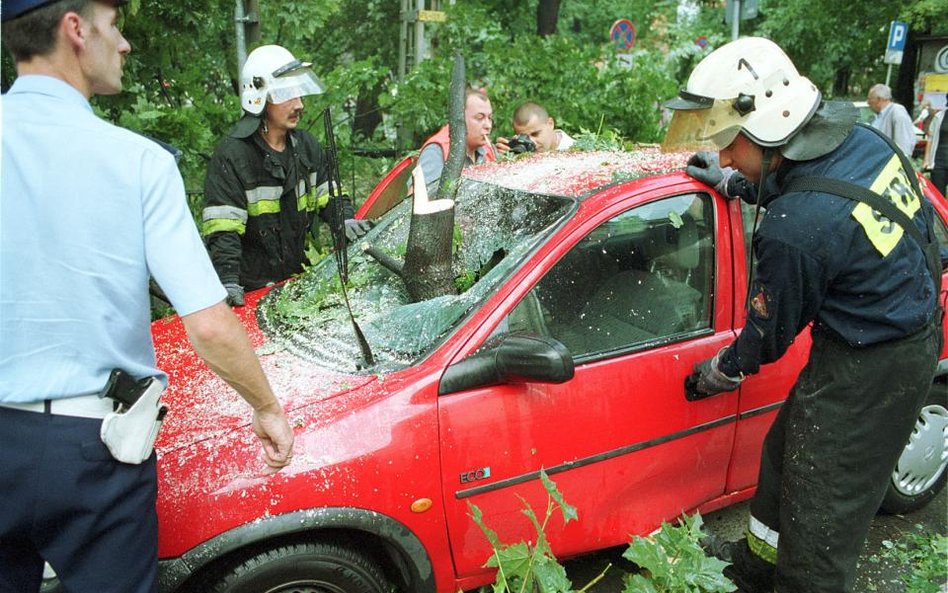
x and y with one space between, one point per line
866 283
267 180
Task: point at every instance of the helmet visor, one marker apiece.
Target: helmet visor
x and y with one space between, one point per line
711 128
297 83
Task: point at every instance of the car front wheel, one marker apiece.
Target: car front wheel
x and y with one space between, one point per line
305 568
921 472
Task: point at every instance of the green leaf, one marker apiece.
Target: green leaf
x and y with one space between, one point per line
478 517
551 576
568 510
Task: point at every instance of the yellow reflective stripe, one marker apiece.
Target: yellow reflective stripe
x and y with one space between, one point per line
219 225
893 185
762 540
313 199
263 207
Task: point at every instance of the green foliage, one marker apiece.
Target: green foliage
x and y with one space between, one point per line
525 567
674 562
925 553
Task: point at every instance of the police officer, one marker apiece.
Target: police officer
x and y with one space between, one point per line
267 179
865 281
90 211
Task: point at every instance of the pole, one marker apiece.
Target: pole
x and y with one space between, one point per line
888 75
736 24
239 19
419 34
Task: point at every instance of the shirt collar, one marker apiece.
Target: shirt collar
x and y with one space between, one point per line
49 86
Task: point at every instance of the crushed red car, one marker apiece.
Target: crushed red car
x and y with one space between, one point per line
596 281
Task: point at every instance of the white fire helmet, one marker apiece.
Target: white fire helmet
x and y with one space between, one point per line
272 73
748 85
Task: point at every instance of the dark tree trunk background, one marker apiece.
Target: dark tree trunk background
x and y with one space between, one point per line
548 12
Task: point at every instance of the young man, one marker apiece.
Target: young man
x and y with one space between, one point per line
867 284
892 119
479 120
533 121
267 179
90 211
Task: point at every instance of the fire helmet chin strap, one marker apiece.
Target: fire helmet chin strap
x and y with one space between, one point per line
765 161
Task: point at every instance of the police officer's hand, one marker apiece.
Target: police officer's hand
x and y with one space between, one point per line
276 436
705 166
356 228
711 380
235 295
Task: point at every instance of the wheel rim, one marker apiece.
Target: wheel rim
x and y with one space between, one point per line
925 457
306 586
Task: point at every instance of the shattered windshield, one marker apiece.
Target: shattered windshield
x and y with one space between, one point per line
494 229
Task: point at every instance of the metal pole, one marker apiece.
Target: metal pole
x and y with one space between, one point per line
736 24
239 19
888 75
419 34
403 41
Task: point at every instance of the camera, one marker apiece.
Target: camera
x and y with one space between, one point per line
521 143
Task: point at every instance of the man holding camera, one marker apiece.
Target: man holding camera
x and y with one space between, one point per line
535 131
479 120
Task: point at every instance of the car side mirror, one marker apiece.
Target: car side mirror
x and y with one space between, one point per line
513 358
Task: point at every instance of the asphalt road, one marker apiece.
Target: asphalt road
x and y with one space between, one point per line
872 577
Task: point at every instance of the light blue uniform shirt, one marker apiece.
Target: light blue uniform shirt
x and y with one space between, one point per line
87 211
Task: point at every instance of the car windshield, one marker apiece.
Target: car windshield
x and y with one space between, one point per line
494 229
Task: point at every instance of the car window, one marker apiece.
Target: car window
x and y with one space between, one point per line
642 277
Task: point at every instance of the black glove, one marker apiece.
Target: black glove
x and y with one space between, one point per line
356 228
705 166
235 295
711 380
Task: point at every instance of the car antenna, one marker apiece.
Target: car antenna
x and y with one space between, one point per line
338 229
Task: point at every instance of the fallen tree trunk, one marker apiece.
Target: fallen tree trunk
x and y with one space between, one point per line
427 271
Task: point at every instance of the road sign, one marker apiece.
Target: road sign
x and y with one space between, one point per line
898 34
748 9
622 34
702 41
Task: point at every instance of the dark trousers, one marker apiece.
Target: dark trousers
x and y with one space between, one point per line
828 457
64 499
940 177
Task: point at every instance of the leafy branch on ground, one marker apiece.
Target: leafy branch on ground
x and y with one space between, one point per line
925 553
673 562
671 559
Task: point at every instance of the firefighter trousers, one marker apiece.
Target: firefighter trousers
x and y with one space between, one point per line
827 459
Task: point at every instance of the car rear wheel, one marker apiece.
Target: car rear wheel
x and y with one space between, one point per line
921 472
305 568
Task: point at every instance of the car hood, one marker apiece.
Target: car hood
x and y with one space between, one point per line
201 406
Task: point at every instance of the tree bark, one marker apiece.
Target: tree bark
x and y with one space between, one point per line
427 271
548 12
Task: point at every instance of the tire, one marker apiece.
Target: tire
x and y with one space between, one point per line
922 469
305 568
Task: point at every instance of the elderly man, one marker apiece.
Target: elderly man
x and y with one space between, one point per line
892 119
532 120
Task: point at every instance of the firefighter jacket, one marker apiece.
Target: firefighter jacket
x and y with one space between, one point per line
260 205
830 261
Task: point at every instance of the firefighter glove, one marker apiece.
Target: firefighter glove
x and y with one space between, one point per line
705 166
356 228
711 380
235 295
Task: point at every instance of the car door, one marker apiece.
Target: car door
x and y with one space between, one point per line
638 294
762 394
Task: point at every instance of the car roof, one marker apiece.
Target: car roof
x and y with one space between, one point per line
576 173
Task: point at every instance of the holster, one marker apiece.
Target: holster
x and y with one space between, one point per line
130 431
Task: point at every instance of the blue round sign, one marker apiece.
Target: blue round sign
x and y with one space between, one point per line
622 34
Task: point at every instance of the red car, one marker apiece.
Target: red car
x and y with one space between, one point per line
593 283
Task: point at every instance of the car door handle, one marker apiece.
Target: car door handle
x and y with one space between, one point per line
691 388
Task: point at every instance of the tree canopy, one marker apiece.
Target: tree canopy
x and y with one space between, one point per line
181 78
